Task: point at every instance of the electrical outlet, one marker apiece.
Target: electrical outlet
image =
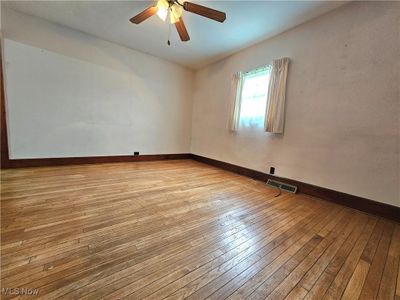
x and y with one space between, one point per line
135 153
272 170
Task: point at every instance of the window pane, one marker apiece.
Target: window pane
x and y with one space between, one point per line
254 99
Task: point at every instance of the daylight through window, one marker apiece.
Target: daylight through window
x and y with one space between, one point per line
254 97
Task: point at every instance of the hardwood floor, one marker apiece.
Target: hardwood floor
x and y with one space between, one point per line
181 229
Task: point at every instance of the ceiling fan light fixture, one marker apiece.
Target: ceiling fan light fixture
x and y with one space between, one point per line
175 10
176 13
162 9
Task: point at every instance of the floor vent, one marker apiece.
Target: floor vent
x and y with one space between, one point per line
283 186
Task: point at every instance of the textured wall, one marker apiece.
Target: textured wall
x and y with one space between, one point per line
342 118
72 94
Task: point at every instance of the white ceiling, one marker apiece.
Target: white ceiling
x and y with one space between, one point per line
247 23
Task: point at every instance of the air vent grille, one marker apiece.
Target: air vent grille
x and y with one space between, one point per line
283 186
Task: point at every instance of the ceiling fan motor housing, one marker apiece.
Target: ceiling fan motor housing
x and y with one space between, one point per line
175 10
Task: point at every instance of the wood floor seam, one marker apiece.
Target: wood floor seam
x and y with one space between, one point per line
182 229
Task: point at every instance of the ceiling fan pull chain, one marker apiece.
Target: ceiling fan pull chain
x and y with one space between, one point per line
169 35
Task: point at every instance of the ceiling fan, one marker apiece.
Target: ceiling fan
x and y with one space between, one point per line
175 10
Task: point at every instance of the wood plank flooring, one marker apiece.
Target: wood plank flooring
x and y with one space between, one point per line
182 229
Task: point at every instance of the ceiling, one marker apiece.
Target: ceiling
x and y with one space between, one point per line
247 23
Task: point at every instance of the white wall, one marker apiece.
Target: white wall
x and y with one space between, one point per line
71 94
342 119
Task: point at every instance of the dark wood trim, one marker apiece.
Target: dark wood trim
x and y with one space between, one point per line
42 162
3 122
359 203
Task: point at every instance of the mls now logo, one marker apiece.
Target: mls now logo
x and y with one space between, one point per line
20 291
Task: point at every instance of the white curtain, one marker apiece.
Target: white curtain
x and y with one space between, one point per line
275 113
235 99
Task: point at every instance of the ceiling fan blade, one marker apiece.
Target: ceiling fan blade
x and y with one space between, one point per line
147 13
205 11
181 28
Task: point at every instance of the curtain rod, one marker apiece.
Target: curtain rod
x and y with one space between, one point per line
259 69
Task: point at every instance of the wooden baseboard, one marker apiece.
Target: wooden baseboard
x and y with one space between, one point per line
359 203
41 162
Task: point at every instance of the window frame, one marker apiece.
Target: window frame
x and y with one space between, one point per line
253 73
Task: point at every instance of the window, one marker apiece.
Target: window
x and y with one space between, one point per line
254 97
